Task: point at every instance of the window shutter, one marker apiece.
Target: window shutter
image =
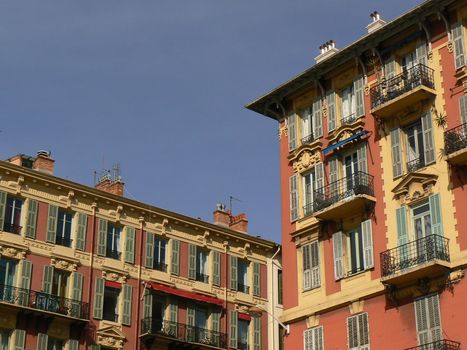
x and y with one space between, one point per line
216 268
435 317
317 119
402 236
233 273
293 197
175 257
421 52
315 273
352 332
233 328
319 181
102 237
190 315
306 252
99 298
95 347
256 279
25 282
147 305
458 39
52 223
338 255
42 340
20 339
428 138
191 261
308 339
216 321
81 231
77 286
368 260
292 131
463 108
331 112
333 177
428 319
31 219
363 329
3 196
435 211
73 344
396 153
127 296
256 333
149 261
362 159
318 338
130 245
359 97
47 280
390 68
173 312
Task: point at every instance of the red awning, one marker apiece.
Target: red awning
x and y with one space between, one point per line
243 316
185 294
113 284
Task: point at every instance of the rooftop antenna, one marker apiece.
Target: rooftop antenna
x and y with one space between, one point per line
231 199
116 172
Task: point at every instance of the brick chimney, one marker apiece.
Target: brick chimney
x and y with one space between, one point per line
111 186
239 223
221 216
43 162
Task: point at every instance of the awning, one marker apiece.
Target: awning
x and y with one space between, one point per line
184 293
331 148
113 284
243 316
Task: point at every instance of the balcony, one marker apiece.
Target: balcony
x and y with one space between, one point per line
415 164
342 197
25 298
169 332
423 257
403 90
307 139
438 345
201 277
455 145
243 288
12 228
113 254
349 120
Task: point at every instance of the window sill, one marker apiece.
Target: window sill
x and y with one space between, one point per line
313 289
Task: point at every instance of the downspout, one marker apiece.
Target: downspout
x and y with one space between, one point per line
272 298
94 208
141 221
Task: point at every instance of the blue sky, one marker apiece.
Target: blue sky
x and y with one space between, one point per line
159 87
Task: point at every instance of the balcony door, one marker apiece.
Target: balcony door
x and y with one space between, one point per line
408 61
421 217
415 149
350 169
7 279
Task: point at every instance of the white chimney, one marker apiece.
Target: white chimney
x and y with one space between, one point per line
326 50
376 22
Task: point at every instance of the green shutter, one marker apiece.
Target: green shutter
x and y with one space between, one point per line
47 280
52 223
458 39
402 234
73 344
421 52
256 333
25 282
390 68
396 153
216 321
428 138
20 339
256 279
216 268
31 220
191 261
292 131
127 296
130 245
81 231
359 97
463 109
42 341
102 237
95 347
147 305
77 286
317 119
175 257
293 186
338 255
3 196
367 235
99 298
233 273
233 319
149 261
435 210
173 310
331 112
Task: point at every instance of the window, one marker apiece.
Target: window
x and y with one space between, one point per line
63 236
110 311
159 255
428 319
113 242
358 333
243 336
307 131
7 272
279 287
415 148
311 125
60 283
4 339
311 273
12 219
312 183
55 344
243 277
313 339
347 105
197 263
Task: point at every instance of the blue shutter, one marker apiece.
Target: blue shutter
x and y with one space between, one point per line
47 280
435 211
428 138
293 187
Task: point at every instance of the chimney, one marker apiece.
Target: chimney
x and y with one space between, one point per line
376 22
239 223
111 186
43 162
221 216
326 50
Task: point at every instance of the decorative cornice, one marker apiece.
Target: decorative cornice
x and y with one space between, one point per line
414 186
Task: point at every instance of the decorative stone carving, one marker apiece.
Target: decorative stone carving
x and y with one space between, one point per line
430 56
305 160
450 47
282 131
367 90
114 276
312 321
204 238
110 336
62 264
246 250
12 252
414 187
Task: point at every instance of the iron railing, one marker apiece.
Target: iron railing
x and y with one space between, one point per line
183 332
351 118
308 139
422 250
408 80
43 301
159 266
243 288
63 241
438 345
455 139
12 228
113 254
201 277
242 345
415 164
355 184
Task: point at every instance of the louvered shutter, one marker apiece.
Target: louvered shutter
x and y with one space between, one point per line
333 177
306 252
463 109
99 298
314 268
73 344
47 279
368 260
428 138
421 52
428 319
173 310
130 245
25 283
359 97
319 178
20 339
191 261
233 319
233 273
127 299
190 322
102 237
363 332
3 196
402 235
81 231
216 327
147 305
389 68
396 153
458 39
95 347
361 158
292 131
331 105
435 211
338 255
216 268
256 279
256 333
175 257
149 261
318 341
42 340
352 332
52 223
434 317
317 119
31 220
77 286
293 181
308 339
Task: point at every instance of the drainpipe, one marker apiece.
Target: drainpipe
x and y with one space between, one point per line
94 208
141 221
272 298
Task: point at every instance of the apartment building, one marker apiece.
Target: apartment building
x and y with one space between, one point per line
373 155
86 268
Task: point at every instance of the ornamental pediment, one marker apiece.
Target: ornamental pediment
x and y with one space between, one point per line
346 131
414 186
110 336
305 160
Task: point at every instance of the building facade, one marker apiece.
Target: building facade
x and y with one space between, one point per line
373 155
86 268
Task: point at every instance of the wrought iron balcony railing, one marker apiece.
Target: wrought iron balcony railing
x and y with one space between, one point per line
351 118
201 277
12 228
355 184
438 345
183 332
455 139
243 288
159 266
387 90
113 254
308 139
63 241
43 301
415 164
422 250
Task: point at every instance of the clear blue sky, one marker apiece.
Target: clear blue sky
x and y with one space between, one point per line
159 86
